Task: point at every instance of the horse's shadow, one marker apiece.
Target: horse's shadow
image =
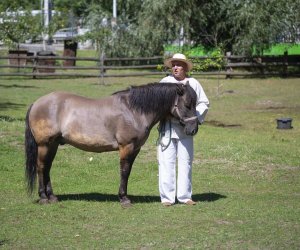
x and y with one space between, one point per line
99 197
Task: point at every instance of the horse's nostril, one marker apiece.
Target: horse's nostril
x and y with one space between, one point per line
194 131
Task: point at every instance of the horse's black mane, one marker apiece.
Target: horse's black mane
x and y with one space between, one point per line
158 97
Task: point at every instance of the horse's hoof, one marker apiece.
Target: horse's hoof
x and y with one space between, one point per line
43 201
53 199
126 203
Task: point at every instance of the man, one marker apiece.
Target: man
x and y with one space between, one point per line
175 143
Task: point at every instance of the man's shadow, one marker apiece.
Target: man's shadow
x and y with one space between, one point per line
208 197
99 197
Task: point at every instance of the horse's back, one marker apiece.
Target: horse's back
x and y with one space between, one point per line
86 123
49 106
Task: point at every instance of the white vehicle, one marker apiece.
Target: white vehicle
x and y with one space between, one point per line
64 34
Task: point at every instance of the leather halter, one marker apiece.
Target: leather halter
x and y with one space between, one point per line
175 108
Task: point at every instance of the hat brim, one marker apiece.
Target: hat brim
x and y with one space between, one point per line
168 63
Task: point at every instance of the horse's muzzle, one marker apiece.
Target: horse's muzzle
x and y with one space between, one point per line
191 129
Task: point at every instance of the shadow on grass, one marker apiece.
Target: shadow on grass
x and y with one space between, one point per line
10 105
7 118
208 197
205 197
106 197
221 124
18 86
3 242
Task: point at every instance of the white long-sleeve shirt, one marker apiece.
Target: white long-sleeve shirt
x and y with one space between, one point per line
201 105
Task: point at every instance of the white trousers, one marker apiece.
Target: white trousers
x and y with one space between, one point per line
183 151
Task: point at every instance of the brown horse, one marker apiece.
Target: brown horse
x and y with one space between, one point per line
121 122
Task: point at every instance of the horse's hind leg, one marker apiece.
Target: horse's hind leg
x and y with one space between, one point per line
46 154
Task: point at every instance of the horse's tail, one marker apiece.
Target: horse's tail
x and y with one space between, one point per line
31 151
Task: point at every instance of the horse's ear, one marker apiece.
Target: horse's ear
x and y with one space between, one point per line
180 89
187 83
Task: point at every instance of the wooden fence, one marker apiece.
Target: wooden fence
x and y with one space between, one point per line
285 65
61 66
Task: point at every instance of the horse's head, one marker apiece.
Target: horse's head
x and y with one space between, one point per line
185 108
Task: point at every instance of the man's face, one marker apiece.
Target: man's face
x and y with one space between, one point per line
179 70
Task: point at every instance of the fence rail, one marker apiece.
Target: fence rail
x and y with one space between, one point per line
56 66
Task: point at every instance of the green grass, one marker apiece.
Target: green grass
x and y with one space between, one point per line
279 49
245 176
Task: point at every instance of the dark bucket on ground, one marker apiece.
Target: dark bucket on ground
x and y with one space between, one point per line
284 123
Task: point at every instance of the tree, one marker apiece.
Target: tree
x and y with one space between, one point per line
258 24
17 4
17 26
209 24
161 22
287 23
17 23
118 39
144 27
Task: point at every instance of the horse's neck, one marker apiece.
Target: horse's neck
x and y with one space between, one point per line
151 109
163 114
148 120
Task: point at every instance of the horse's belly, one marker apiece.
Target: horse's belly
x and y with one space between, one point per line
94 148
95 143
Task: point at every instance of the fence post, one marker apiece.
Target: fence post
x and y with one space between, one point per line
227 61
285 64
34 69
102 70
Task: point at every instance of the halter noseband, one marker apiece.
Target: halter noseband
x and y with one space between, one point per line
176 110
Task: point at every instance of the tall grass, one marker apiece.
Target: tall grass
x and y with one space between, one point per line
245 176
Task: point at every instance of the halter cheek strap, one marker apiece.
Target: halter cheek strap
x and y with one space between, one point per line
176 110
190 118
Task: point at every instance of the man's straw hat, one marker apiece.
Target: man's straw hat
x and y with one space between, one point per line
179 58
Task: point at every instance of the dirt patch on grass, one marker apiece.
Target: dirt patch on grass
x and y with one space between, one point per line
268 105
221 124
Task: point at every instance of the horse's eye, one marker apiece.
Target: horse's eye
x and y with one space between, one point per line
188 105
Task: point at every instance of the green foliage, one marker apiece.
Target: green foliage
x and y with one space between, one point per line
215 61
199 50
111 39
78 7
160 22
133 33
209 24
18 26
259 24
144 27
19 4
160 67
279 49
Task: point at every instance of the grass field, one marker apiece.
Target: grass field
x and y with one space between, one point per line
245 176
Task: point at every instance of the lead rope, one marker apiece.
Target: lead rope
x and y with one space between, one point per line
161 133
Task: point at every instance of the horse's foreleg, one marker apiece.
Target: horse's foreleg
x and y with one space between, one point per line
125 169
127 158
46 155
